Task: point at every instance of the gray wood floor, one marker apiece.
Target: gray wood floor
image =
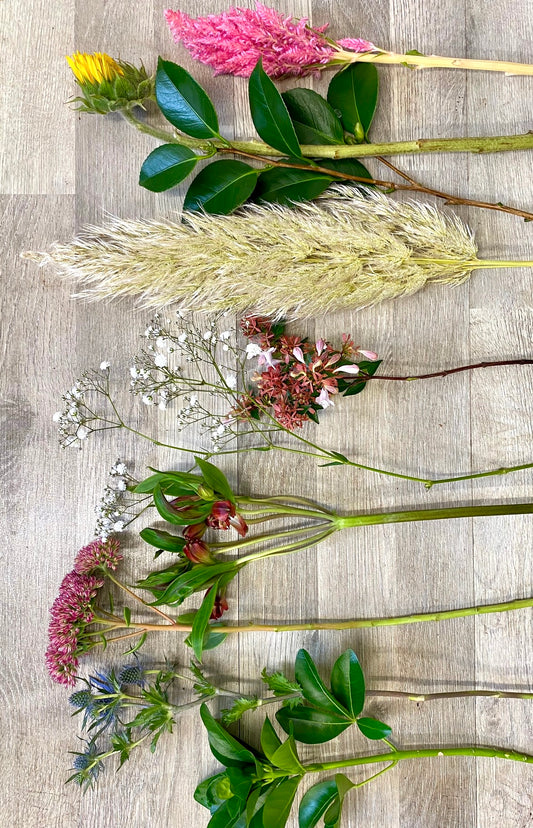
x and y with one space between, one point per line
59 170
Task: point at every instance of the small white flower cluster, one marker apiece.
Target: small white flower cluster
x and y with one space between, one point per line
111 510
152 380
72 420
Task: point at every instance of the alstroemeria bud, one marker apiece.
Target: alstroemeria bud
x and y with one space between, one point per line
109 85
198 552
220 605
195 531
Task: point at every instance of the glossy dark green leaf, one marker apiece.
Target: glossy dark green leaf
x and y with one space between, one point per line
223 746
269 114
332 817
256 801
285 186
162 540
286 757
347 166
278 803
310 726
373 728
221 187
166 166
241 781
208 793
315 802
160 578
313 688
270 740
348 682
353 92
313 118
183 102
201 621
215 479
229 815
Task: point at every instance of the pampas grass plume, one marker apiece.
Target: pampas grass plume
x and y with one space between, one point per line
350 249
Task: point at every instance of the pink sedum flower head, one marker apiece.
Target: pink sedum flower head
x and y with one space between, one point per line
98 555
233 42
71 612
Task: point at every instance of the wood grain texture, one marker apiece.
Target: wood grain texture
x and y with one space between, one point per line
60 170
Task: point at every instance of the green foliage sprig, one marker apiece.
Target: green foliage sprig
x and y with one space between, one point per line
291 125
136 705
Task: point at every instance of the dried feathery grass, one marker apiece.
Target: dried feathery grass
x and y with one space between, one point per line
350 249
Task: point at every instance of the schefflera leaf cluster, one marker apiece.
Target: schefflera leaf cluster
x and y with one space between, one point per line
258 787
284 121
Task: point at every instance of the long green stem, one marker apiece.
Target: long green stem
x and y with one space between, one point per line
481 144
390 186
434 62
351 624
425 753
435 514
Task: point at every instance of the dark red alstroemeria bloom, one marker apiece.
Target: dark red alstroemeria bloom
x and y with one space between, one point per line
221 512
195 531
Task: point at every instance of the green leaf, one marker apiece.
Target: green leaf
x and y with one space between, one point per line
208 793
310 726
215 479
201 621
278 803
183 102
332 818
352 387
223 746
221 187
199 577
241 780
353 92
197 512
286 186
348 682
270 115
279 683
315 803
313 688
228 815
373 728
166 166
173 483
127 616
313 119
162 540
286 757
347 166
136 646
270 740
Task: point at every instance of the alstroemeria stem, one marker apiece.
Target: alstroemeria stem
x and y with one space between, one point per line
425 753
435 514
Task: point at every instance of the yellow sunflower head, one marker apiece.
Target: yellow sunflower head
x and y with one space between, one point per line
107 84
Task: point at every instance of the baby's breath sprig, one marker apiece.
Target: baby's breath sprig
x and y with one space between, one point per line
270 385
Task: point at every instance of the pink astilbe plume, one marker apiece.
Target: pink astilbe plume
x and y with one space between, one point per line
233 42
71 612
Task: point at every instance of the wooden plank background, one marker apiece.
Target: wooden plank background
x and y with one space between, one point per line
60 170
